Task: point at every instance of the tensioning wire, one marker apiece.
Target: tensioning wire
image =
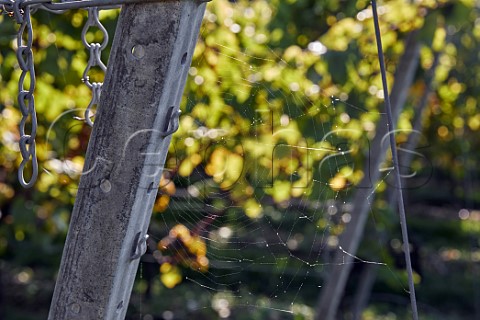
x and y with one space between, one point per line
398 180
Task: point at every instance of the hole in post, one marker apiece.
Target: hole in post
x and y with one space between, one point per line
184 58
150 187
120 306
138 51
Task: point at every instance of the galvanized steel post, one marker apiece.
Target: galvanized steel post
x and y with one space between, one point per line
148 66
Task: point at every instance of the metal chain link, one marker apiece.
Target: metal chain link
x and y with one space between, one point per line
95 59
6 6
21 10
26 100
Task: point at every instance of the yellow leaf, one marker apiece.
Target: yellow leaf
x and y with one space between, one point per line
337 183
161 204
171 275
252 208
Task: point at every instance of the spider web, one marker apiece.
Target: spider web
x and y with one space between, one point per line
269 259
274 263
288 248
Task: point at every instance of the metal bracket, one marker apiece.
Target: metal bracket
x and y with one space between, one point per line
172 120
139 246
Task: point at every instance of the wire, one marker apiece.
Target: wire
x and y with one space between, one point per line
67 5
398 180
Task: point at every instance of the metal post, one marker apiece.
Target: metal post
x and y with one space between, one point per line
138 110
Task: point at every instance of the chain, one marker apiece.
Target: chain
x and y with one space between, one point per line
21 10
95 59
26 100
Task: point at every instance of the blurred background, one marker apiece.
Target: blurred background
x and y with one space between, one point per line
278 136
